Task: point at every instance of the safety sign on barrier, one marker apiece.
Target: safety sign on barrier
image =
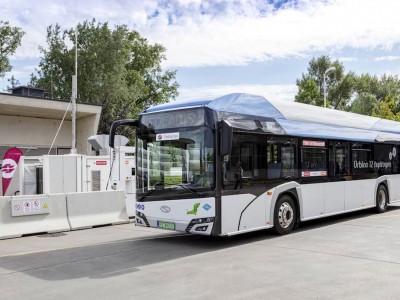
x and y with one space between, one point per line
29 207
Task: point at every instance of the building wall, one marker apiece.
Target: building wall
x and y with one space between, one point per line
86 127
23 131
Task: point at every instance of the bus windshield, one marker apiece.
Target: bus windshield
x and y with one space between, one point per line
175 164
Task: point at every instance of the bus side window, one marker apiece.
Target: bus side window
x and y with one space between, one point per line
360 158
339 159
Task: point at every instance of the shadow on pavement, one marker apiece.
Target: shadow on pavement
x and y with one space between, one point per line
119 257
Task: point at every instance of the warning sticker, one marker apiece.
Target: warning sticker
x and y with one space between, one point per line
27 207
36 205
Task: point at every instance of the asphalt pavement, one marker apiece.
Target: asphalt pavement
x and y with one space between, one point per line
353 256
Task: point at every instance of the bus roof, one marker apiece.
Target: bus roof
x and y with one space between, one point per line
297 118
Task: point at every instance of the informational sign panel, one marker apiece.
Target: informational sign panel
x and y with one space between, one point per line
27 207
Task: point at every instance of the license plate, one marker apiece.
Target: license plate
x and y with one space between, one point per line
166 225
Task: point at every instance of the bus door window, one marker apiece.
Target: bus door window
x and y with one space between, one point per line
282 158
246 159
339 159
249 150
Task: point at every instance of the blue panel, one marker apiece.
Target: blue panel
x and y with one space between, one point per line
258 106
315 130
387 126
177 104
245 104
235 103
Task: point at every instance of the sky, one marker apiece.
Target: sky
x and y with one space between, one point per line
219 47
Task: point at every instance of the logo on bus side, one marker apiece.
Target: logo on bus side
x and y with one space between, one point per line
165 209
194 210
206 206
139 206
376 164
393 153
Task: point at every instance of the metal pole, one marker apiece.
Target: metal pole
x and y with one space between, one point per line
330 70
324 90
74 96
73 115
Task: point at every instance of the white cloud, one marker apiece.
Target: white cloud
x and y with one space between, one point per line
276 92
387 58
347 59
221 32
236 39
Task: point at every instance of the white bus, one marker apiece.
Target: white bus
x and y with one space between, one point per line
297 162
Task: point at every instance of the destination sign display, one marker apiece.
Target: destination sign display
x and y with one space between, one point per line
175 119
309 143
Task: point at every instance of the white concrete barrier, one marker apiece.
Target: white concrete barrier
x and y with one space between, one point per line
86 210
29 214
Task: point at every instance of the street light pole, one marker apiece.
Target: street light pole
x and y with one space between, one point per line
329 70
74 95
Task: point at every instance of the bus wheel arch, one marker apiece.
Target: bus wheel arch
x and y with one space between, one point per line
286 213
382 197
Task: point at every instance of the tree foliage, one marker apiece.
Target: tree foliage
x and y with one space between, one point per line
364 94
309 93
10 39
117 69
338 84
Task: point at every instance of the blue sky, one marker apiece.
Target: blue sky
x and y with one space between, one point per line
221 46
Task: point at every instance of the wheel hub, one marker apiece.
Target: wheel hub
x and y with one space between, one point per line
382 199
285 215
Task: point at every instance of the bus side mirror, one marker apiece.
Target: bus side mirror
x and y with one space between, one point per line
116 124
226 133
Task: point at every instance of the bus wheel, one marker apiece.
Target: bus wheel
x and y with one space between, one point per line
284 215
381 199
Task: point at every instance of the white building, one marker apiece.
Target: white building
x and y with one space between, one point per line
31 123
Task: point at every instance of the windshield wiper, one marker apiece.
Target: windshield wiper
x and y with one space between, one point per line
144 196
194 192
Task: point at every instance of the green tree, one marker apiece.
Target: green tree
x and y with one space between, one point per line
387 110
309 93
365 103
117 69
376 95
10 39
14 82
339 85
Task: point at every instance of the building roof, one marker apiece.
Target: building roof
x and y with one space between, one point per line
25 106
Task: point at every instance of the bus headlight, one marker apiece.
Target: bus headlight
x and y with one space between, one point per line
200 221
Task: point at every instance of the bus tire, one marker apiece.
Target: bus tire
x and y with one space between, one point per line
284 215
382 198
